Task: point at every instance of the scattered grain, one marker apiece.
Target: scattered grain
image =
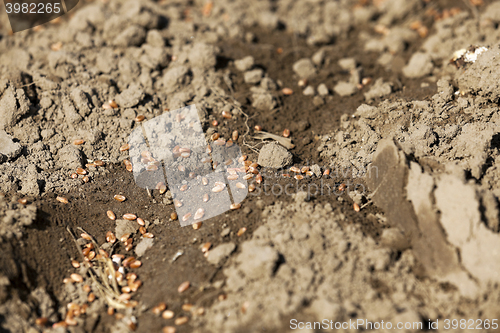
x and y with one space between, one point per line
235 206
78 142
235 136
139 118
76 277
130 217
125 147
183 286
62 200
111 215
286 133
181 320
197 225
356 207
119 197
186 217
173 216
287 91
258 128
168 314
241 231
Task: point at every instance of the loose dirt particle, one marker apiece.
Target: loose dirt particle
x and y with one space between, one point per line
241 231
197 225
181 320
183 286
119 197
168 314
62 200
78 142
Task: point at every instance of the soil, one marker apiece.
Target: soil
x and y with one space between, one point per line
417 242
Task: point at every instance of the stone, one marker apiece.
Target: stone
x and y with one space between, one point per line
309 91
420 65
9 149
254 76
304 68
345 88
273 155
220 253
323 90
244 64
347 64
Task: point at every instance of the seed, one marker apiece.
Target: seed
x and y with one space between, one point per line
151 167
247 177
298 177
286 132
183 286
304 169
111 215
222 297
126 289
229 143
135 264
220 142
91 255
356 207
186 217
366 80
76 277
235 206
141 221
295 169
86 236
162 188
208 150
62 200
235 135
247 163
206 197
81 171
60 324
168 314
128 261
110 237
215 123
75 263
129 167
172 329
85 179
197 225
192 175
22 201
119 197
41 321
181 320
258 128
204 181
86 251
215 136
258 179
200 311
78 142
240 185
327 172
183 188
177 203
287 91
125 147
309 173
206 247
124 297
286 175
67 280
302 83
74 175
70 321
251 187
99 163
103 253
142 230
241 231
124 237
342 187
88 165
112 103
253 170
110 311
185 155
199 214
244 307
232 177
187 307
226 114
91 297
218 188
129 217
159 308
173 216
139 118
